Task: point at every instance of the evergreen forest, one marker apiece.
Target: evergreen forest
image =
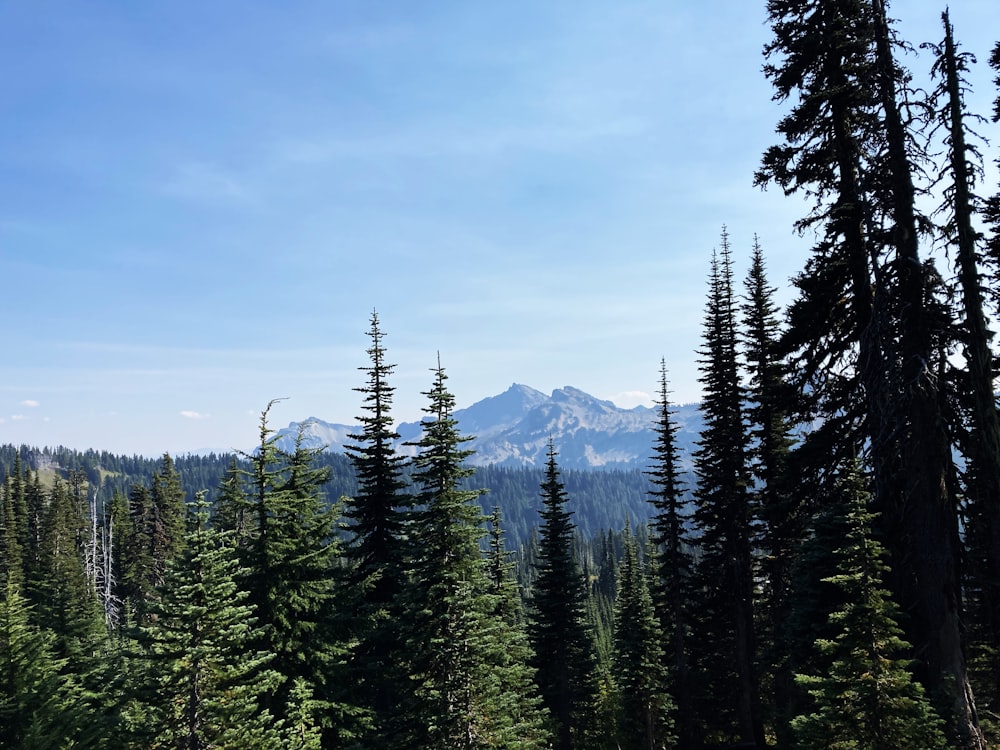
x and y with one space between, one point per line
828 576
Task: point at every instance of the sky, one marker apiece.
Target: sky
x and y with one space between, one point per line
203 203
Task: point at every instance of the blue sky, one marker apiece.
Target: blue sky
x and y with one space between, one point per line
202 203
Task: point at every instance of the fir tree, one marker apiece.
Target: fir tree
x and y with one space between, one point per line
138 568
519 720
980 440
639 660
40 706
291 557
671 588
726 648
232 510
378 517
867 332
767 411
563 644
202 680
156 526
11 559
167 528
868 700
459 692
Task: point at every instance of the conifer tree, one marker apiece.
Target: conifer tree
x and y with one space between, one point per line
70 608
11 558
671 588
868 699
203 682
769 396
458 690
867 332
726 647
563 643
291 556
156 535
980 440
378 519
14 528
167 532
232 510
40 706
519 717
639 661
136 582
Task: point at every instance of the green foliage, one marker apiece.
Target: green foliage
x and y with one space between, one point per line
378 516
201 679
465 694
41 702
290 556
770 400
868 699
564 646
640 667
671 587
727 689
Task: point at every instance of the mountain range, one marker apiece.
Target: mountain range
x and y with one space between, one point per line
513 429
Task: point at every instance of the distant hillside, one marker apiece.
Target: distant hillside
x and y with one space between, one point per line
603 452
599 500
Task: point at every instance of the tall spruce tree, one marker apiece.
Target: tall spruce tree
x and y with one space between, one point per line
291 556
979 441
378 518
563 642
769 399
866 333
520 718
671 587
640 666
41 704
868 699
459 699
726 649
11 557
201 681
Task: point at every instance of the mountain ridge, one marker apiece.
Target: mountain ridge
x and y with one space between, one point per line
513 428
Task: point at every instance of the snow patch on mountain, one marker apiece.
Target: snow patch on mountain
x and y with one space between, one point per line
513 428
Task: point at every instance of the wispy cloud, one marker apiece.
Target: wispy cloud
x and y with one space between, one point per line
18 417
30 402
188 414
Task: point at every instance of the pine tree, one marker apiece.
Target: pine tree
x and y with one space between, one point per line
378 518
11 558
564 651
167 531
980 440
458 694
519 720
40 706
232 510
867 333
639 659
202 679
726 647
767 411
868 699
671 588
291 557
